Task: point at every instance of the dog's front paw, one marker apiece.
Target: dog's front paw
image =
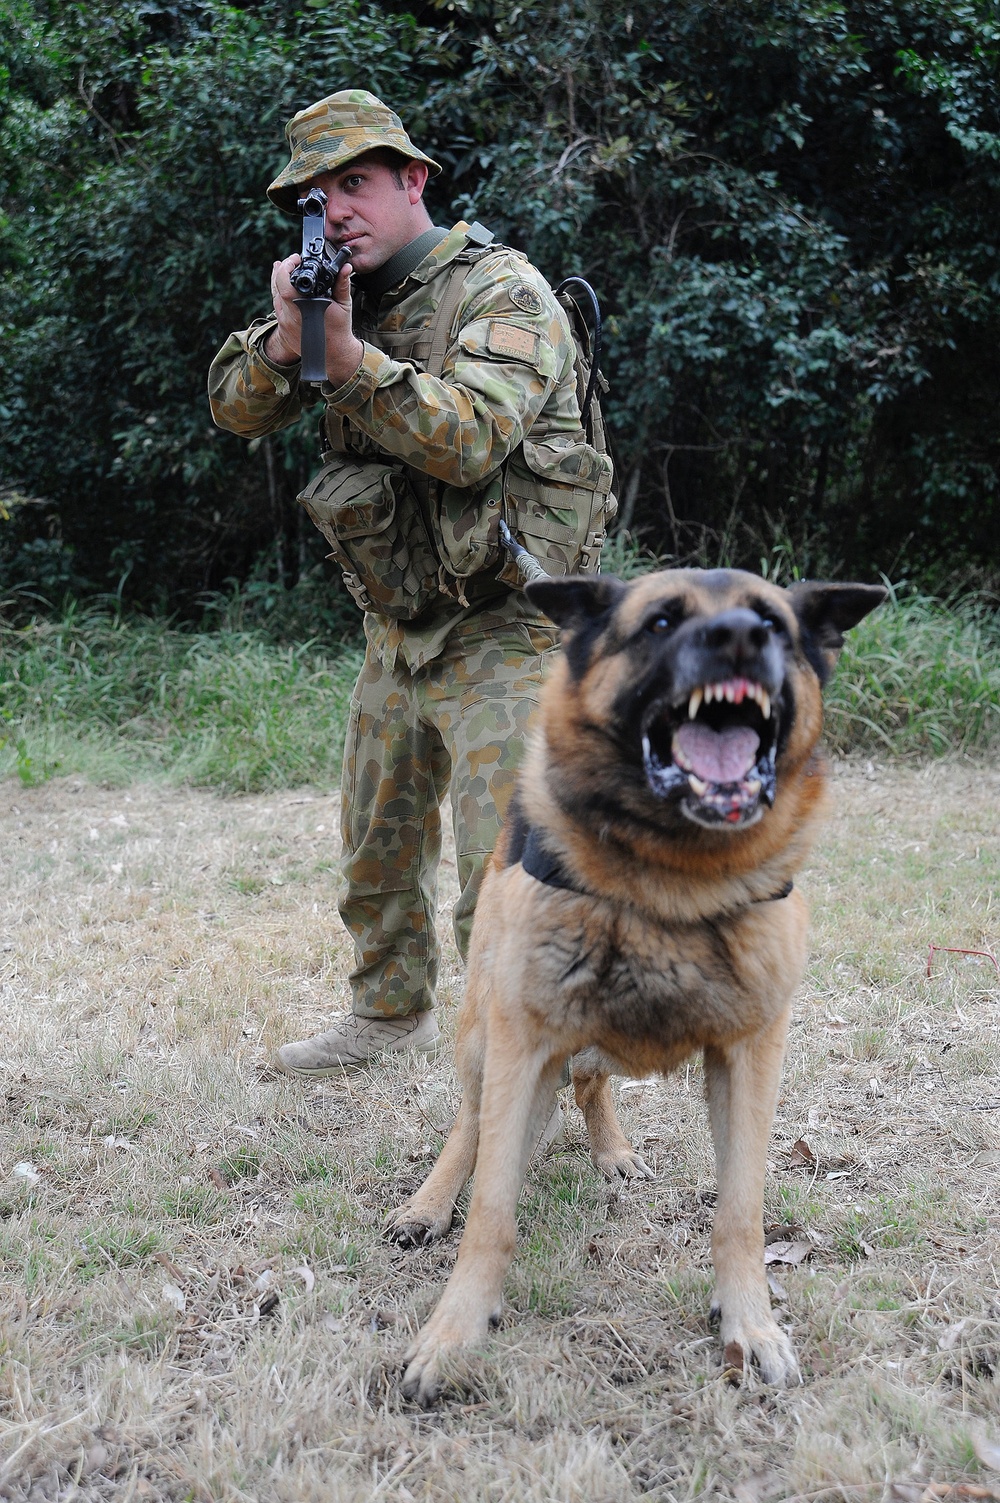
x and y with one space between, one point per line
764 1344
412 1227
622 1163
431 1358
423 1379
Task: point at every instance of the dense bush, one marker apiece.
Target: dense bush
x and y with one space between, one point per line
788 209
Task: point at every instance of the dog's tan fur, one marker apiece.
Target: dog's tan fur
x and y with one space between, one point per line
670 940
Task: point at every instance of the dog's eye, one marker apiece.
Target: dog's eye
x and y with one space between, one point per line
771 620
662 622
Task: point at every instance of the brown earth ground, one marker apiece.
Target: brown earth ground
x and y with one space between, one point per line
198 1303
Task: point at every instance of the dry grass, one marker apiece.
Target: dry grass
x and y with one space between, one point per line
197 1302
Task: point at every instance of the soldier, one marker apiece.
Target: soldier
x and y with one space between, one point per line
450 401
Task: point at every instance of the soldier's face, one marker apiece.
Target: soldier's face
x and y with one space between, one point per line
371 210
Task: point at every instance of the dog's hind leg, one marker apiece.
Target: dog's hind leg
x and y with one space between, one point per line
518 1092
610 1149
742 1081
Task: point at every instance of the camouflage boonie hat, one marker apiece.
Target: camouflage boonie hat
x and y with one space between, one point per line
333 132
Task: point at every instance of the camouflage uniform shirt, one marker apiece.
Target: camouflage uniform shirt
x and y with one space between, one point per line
509 370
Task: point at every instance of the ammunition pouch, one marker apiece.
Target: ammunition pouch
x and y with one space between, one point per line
558 504
370 517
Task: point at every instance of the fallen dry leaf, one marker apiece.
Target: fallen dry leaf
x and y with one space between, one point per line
169 1266
96 1457
776 1287
950 1337
801 1154
787 1252
174 1297
758 1488
787 1231
947 1490
987 1449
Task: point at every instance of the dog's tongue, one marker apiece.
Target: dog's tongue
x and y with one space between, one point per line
717 756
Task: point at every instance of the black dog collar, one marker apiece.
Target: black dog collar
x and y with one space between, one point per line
540 863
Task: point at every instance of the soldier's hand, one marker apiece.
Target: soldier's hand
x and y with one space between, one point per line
344 351
284 344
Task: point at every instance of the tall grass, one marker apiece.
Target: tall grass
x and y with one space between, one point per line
918 678
94 693
116 699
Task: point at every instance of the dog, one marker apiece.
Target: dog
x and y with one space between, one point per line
640 906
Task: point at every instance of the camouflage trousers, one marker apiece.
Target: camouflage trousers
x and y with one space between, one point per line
456 725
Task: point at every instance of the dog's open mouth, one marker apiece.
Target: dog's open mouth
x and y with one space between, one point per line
714 752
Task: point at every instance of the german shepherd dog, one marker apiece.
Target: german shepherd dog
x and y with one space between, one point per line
639 906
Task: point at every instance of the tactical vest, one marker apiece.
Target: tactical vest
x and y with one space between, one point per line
404 539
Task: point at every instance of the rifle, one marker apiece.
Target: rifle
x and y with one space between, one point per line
314 280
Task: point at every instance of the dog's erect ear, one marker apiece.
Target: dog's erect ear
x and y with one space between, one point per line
574 600
826 611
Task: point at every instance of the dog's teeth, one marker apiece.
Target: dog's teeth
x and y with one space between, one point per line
729 691
753 785
709 693
694 703
765 703
697 786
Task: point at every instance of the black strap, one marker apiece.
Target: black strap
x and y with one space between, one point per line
543 866
540 863
399 266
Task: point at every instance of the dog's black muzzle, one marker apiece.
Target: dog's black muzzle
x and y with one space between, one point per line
710 719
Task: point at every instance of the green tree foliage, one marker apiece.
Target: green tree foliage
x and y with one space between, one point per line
788 208
791 210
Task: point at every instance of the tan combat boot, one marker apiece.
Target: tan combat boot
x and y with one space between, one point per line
355 1042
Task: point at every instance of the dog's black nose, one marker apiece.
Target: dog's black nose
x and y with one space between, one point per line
739 633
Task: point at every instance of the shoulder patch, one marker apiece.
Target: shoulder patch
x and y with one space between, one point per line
508 339
525 297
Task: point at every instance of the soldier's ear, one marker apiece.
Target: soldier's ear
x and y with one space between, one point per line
577 599
415 180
